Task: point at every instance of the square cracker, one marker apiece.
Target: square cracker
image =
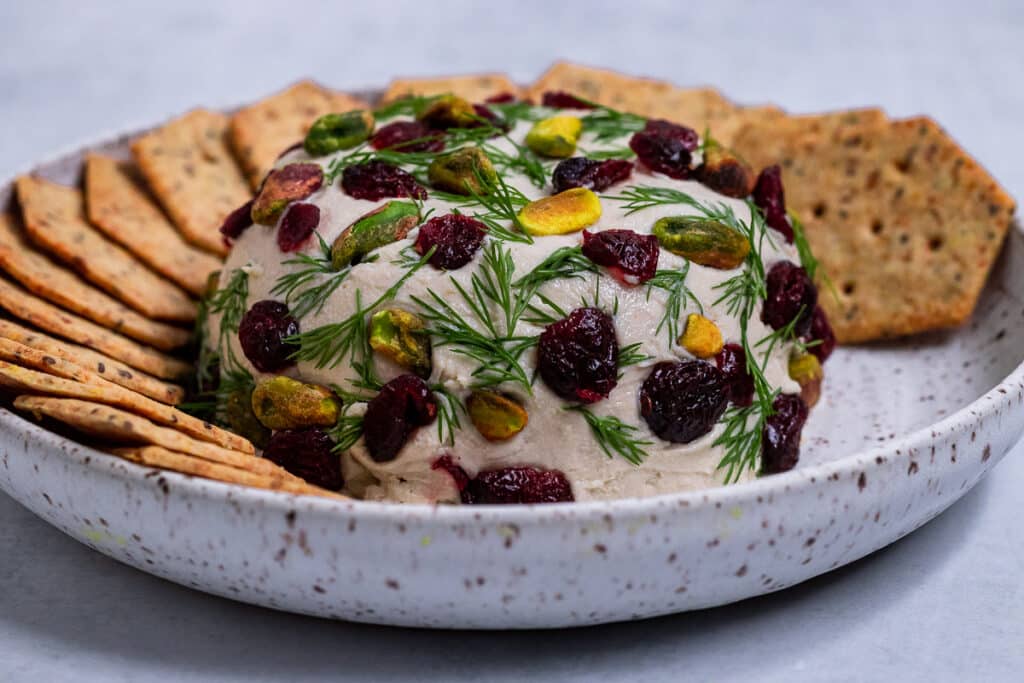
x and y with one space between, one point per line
189 166
53 282
55 219
475 88
119 205
260 132
905 223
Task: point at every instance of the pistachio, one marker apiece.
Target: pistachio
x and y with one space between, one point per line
285 403
704 241
449 111
806 370
465 171
559 214
724 171
242 420
403 338
380 227
496 417
283 186
701 337
333 132
555 137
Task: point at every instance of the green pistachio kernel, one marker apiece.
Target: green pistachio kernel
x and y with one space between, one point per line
465 171
724 171
242 420
333 132
496 417
403 338
449 111
703 241
380 227
285 403
555 137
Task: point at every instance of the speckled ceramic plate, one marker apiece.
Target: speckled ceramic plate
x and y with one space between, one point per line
903 431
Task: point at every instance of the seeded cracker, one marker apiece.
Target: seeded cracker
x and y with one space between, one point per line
261 131
188 165
55 219
119 206
475 88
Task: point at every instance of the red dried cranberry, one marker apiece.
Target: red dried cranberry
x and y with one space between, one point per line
297 224
732 361
487 115
307 453
402 405
682 401
578 356
630 257
512 485
665 147
821 331
408 136
780 440
501 98
458 475
790 294
563 100
456 236
262 333
770 198
666 129
376 180
237 222
589 173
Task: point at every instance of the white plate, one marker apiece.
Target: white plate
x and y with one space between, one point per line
903 430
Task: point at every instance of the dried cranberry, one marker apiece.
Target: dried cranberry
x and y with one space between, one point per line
732 361
682 401
408 136
262 333
780 440
770 198
237 222
487 115
563 100
297 224
458 475
821 331
665 147
578 356
666 129
790 294
376 180
501 98
402 405
590 173
511 485
456 238
307 453
630 257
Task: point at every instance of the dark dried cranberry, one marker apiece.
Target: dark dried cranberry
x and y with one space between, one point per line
376 180
458 475
563 100
402 405
578 356
511 485
666 129
262 334
821 331
770 198
682 401
501 98
589 173
630 257
237 222
732 361
456 236
408 136
307 453
790 294
297 224
488 115
780 441
665 147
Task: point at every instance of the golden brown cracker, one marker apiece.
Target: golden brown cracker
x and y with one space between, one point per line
120 207
188 165
726 127
260 132
475 88
46 316
54 217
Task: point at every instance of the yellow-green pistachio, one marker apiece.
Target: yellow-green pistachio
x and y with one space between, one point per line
496 417
701 337
285 403
283 186
242 420
563 213
704 241
449 111
402 337
380 227
555 136
806 370
465 171
333 132
724 171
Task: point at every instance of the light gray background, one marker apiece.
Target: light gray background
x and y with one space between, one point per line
944 604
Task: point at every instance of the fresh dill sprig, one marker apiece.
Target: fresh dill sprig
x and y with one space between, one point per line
607 124
297 288
673 282
614 153
410 105
564 262
614 436
631 355
501 203
448 408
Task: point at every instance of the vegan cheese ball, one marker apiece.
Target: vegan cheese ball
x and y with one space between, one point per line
450 302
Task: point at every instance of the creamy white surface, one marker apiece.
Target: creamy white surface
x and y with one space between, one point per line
554 438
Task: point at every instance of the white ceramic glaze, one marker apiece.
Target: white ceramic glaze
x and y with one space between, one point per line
903 430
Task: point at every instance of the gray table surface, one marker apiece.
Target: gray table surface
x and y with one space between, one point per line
946 603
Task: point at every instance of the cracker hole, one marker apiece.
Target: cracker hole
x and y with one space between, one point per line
902 165
935 243
819 209
849 287
876 226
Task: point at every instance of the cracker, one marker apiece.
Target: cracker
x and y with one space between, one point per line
189 166
59 377
55 219
156 456
475 88
102 365
45 315
120 207
119 426
260 132
726 127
